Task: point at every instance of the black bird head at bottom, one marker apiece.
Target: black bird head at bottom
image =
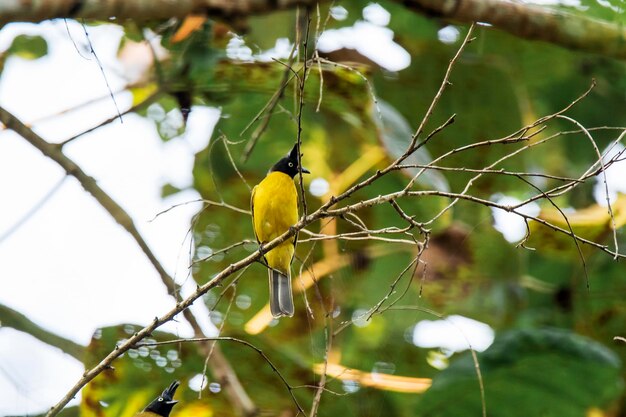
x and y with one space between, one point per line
289 164
162 405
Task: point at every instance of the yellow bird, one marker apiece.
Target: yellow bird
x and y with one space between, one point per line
274 210
162 405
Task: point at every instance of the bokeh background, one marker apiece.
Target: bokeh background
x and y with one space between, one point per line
539 323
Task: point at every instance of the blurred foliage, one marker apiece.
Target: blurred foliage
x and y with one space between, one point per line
538 361
25 47
28 47
553 353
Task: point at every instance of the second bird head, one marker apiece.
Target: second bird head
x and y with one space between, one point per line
162 405
289 164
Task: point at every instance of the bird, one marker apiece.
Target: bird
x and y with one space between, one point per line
274 206
162 405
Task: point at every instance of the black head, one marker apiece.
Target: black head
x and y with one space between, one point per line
289 164
162 405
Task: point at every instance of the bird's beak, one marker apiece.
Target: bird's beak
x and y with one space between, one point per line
169 391
304 170
171 402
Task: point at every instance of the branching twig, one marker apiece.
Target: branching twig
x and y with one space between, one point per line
106 81
267 111
152 98
413 145
603 171
301 85
224 250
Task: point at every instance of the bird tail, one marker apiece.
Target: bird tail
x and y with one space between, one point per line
281 298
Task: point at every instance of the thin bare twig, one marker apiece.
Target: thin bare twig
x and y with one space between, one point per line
149 100
224 250
268 110
106 81
240 341
207 203
301 84
468 38
328 334
603 171
479 374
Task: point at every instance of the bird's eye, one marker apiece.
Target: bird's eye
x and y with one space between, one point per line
290 164
160 398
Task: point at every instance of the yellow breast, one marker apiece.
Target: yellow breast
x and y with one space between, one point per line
275 209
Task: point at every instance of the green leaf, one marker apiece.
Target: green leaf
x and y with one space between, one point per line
547 372
395 133
28 47
169 189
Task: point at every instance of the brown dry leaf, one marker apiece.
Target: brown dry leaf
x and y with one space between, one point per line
189 25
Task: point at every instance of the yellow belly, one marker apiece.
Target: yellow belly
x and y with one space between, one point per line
275 205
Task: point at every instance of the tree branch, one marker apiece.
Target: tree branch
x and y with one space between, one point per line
139 10
531 22
18 321
519 19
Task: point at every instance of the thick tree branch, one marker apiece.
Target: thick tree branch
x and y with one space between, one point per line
18 321
519 19
138 10
219 365
531 22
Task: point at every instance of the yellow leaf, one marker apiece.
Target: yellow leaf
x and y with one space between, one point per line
376 380
143 93
595 412
593 223
194 409
371 157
